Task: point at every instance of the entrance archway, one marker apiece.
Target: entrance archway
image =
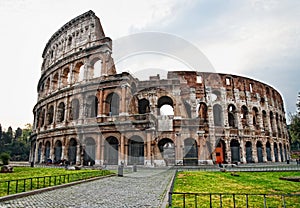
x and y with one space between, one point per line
136 151
249 152
190 152
167 150
111 148
57 151
276 152
89 152
235 150
259 149
72 150
220 152
268 151
47 151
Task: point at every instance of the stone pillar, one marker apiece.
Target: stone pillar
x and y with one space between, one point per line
228 151
148 152
62 152
179 145
264 150
272 151
78 154
98 150
254 151
102 146
243 152
122 149
123 99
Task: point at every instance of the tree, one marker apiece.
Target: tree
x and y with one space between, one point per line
4 157
294 128
18 133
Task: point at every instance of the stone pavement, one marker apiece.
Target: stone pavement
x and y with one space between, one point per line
144 188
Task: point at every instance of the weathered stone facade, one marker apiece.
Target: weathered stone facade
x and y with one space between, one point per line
88 114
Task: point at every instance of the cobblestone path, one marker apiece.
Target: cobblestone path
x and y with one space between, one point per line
144 188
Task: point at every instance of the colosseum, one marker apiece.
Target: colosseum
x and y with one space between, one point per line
88 114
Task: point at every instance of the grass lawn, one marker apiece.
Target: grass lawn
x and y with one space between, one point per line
245 183
44 180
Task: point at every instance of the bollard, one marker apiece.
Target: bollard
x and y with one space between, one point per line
32 164
134 168
120 170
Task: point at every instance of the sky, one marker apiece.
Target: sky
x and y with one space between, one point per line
259 39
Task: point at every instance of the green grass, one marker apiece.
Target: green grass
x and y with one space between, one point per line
41 178
245 183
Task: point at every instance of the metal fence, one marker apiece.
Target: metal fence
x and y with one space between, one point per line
27 184
178 199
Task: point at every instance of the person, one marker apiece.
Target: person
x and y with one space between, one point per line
297 161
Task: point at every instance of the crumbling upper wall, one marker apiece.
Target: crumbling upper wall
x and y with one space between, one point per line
76 35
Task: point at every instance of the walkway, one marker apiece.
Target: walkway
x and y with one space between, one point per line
144 188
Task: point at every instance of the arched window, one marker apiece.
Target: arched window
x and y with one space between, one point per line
92 106
218 115
55 82
61 112
78 72
232 115
143 106
272 121
244 115
112 104
65 77
255 118
74 110
167 150
50 114
97 69
202 112
235 150
165 105
265 120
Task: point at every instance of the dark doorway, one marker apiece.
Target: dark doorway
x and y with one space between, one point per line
235 151
167 150
89 152
190 152
249 152
259 149
111 152
136 151
72 150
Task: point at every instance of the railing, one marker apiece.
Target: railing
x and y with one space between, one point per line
27 184
179 199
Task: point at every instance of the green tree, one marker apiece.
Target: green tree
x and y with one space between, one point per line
4 157
294 128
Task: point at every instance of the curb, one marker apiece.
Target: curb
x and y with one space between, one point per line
165 199
37 191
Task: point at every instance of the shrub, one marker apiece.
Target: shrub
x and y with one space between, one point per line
4 157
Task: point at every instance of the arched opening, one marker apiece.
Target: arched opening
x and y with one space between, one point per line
202 112
281 152
47 151
259 150
220 152
89 152
265 120
72 151
55 82
111 153
232 116
97 69
39 152
143 106
47 86
50 114
218 116
190 152
272 121
276 152
78 72
61 112
136 150
268 151
249 158
65 77
235 151
167 149
74 110
57 151
92 106
255 119
165 106
112 104
244 115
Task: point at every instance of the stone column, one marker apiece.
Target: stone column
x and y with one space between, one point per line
123 99
78 154
122 149
148 156
102 146
100 103
254 151
264 150
98 150
272 151
243 152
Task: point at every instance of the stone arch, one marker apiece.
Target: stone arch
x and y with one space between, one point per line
216 95
232 117
50 113
112 104
265 120
259 151
89 151
57 151
165 105
136 150
272 121
72 151
39 152
47 86
91 106
61 112
268 151
249 158
220 152
96 67
235 151
47 151
65 77
167 149
218 115
190 152
111 150
244 115
143 106
74 109
276 152
202 112
55 81
78 72
255 118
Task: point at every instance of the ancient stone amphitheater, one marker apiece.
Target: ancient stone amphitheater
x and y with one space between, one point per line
88 114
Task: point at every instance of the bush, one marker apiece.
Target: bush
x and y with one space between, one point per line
4 157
